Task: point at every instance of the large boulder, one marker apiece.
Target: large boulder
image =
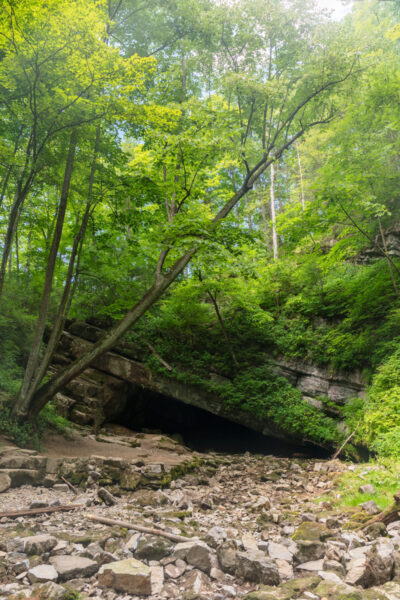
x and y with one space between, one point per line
196 553
311 531
42 574
309 550
39 544
5 482
153 548
254 566
70 567
226 554
375 566
129 576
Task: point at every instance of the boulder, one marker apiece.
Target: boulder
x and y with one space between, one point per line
196 553
331 590
22 461
5 482
157 579
23 477
254 566
173 571
42 574
153 548
129 576
49 591
39 544
368 488
70 567
312 566
311 532
279 551
215 536
307 551
196 584
374 567
371 507
286 591
226 554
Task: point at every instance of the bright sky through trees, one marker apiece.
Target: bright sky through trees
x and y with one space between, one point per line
338 7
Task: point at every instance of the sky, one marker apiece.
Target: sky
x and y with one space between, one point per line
338 7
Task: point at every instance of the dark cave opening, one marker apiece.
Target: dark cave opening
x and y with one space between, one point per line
203 431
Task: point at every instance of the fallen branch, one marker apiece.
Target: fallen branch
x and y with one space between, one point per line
25 512
343 445
160 358
71 487
389 515
141 528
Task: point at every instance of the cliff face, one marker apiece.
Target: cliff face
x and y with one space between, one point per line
116 381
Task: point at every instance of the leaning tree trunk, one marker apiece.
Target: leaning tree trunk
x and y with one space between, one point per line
61 378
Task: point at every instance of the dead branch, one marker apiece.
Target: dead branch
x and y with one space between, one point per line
347 440
71 487
141 528
25 512
160 358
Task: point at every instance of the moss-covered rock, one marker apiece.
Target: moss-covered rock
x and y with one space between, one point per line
312 532
286 591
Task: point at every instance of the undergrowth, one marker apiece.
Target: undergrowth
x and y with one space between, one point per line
384 475
30 434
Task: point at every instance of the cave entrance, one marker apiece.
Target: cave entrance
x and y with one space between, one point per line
201 430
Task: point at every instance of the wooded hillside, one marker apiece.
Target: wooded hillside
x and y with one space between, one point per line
213 181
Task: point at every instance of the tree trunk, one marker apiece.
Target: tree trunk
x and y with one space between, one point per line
300 176
265 223
26 391
396 289
223 328
19 199
65 375
68 293
10 169
273 214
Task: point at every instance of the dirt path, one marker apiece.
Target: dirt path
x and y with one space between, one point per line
117 442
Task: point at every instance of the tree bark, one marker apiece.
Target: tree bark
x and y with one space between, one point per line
300 176
222 325
16 208
26 391
68 293
273 214
62 377
384 245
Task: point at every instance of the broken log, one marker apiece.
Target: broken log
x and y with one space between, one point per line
389 515
141 528
26 512
71 487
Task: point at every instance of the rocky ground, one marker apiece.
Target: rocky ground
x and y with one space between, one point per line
257 526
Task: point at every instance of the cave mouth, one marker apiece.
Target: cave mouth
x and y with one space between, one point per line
203 431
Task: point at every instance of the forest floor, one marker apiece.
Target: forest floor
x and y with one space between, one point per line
259 527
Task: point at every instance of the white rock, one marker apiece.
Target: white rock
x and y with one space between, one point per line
157 579
330 576
279 551
42 574
312 565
